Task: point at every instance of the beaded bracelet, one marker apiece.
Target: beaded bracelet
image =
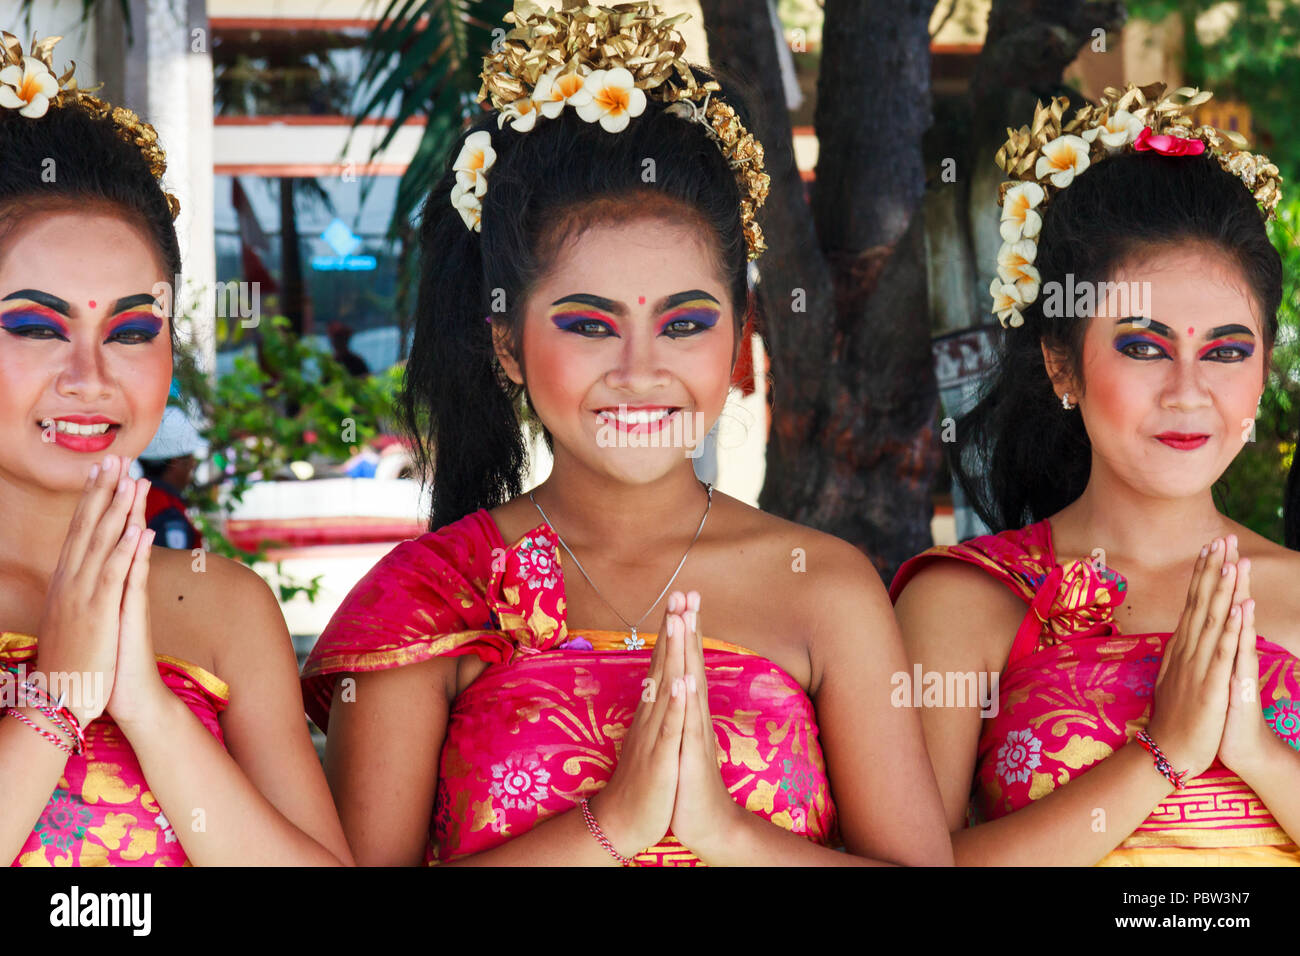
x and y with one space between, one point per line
51 737
1162 762
57 714
599 834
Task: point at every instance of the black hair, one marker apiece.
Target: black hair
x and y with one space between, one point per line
154 468
1019 455
70 158
461 411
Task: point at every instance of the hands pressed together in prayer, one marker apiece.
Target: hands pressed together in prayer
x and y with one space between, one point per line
1206 701
668 772
96 615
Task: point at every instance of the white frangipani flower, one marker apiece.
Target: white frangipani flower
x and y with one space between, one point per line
1062 159
1019 220
28 88
554 90
1117 132
615 99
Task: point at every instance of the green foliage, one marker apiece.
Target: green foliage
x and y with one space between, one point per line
297 404
1252 487
1256 60
426 56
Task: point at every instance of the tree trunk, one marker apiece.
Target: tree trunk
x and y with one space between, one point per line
843 290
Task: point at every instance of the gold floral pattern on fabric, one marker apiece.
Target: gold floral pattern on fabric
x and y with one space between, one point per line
544 723
102 812
1075 690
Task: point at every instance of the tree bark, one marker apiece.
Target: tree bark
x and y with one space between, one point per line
852 449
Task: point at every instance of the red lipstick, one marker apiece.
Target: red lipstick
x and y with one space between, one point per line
1183 441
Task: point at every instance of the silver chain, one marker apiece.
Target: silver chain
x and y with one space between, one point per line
634 641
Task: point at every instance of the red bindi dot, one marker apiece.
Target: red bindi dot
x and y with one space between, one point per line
1190 330
92 303
640 300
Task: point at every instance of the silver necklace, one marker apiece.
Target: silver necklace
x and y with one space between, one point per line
633 642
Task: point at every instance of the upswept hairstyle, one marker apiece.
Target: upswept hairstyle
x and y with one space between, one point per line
1019 456
69 159
456 403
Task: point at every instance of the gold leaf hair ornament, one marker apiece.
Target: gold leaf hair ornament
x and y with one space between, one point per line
605 63
30 86
1042 159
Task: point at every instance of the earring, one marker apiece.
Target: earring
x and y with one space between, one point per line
1065 402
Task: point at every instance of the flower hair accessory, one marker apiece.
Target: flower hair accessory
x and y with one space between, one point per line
30 87
1044 158
605 63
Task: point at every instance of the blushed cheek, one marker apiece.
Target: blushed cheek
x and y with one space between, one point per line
1117 402
554 376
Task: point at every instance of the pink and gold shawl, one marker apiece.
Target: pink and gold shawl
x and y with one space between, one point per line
1075 690
102 812
543 725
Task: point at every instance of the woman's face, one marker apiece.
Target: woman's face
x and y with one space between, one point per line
628 347
1171 387
80 345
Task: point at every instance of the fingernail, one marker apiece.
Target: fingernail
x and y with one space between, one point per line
691 619
677 686
672 602
1250 605
131 532
1215 546
1243 564
693 600
149 536
690 683
1224 570
1204 551
94 472
1236 609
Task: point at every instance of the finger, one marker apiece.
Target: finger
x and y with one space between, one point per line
661 643
116 567
1217 617
136 516
135 595
672 670
1242 593
1246 668
1198 614
1225 652
697 682
111 525
85 519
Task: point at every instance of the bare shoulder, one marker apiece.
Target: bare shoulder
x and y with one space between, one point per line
1275 585
212 609
951 607
815 583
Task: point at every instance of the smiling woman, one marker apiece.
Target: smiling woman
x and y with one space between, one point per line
1149 648
490 694
131 750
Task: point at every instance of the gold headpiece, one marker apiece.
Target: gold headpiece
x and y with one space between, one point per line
29 85
1044 158
602 61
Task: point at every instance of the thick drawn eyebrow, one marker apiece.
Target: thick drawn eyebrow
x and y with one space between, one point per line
1161 329
63 308
131 301
619 309
41 298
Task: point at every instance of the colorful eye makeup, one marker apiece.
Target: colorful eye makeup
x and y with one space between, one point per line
1227 343
140 322
26 316
579 312
28 311
703 312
